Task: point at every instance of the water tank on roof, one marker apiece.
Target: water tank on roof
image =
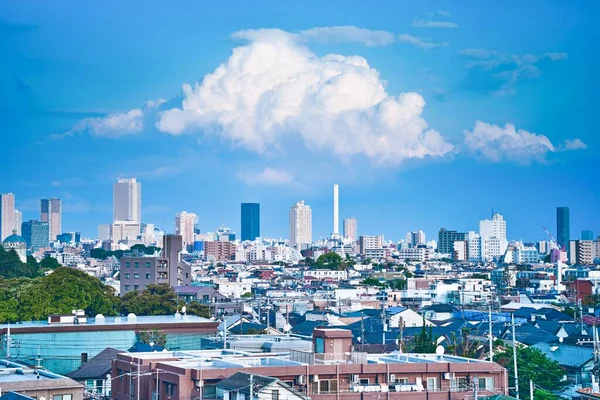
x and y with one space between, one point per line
131 317
100 318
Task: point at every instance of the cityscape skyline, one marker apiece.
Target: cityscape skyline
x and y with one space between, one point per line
479 137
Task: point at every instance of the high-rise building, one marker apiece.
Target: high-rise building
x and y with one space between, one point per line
493 229
581 252
587 235
36 234
7 215
350 231
370 243
124 231
300 225
415 238
127 200
184 226
563 227
250 221
336 212
446 240
18 221
51 212
104 232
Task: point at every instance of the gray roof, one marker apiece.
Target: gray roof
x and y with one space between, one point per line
15 396
240 382
567 356
97 367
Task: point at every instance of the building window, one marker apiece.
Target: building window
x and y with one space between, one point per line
136 264
274 395
136 276
148 277
62 397
432 384
486 384
170 388
459 385
136 287
325 386
148 264
402 381
126 264
126 287
126 276
364 381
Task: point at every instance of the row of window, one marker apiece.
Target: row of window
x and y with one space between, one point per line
136 264
458 384
135 287
137 276
58 397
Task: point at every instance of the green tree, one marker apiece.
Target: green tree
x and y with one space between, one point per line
62 291
155 336
49 263
10 292
158 299
423 342
247 295
331 260
534 365
372 282
195 308
11 265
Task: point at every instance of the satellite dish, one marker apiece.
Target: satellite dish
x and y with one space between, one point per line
440 350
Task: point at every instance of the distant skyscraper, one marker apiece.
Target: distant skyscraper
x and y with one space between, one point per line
184 226
300 225
416 238
36 234
51 212
336 212
350 231
127 200
493 237
18 221
587 235
7 215
563 227
250 221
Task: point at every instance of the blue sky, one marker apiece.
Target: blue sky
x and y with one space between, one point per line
405 104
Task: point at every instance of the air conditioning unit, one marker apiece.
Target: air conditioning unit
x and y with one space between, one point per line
392 377
301 380
449 376
315 378
355 378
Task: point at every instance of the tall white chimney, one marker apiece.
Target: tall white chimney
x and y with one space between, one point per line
336 211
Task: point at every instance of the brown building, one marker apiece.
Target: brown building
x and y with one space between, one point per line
333 370
138 272
221 251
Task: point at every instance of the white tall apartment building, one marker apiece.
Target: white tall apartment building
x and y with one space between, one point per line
366 243
473 247
184 226
350 229
496 229
127 200
300 225
51 212
7 215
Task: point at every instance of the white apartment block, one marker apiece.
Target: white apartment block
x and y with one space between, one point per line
184 226
127 200
350 231
300 225
327 274
370 243
124 230
7 215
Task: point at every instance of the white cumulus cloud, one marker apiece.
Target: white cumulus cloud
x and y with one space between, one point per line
112 125
495 143
268 176
274 88
424 43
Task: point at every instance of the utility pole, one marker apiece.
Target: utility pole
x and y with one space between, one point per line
491 335
8 342
225 333
138 376
157 386
251 387
530 389
475 388
514 340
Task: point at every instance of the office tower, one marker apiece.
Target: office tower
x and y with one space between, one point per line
350 229
51 212
250 221
336 212
7 215
124 231
104 232
127 200
446 240
36 235
300 225
18 221
224 234
563 227
184 226
587 235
